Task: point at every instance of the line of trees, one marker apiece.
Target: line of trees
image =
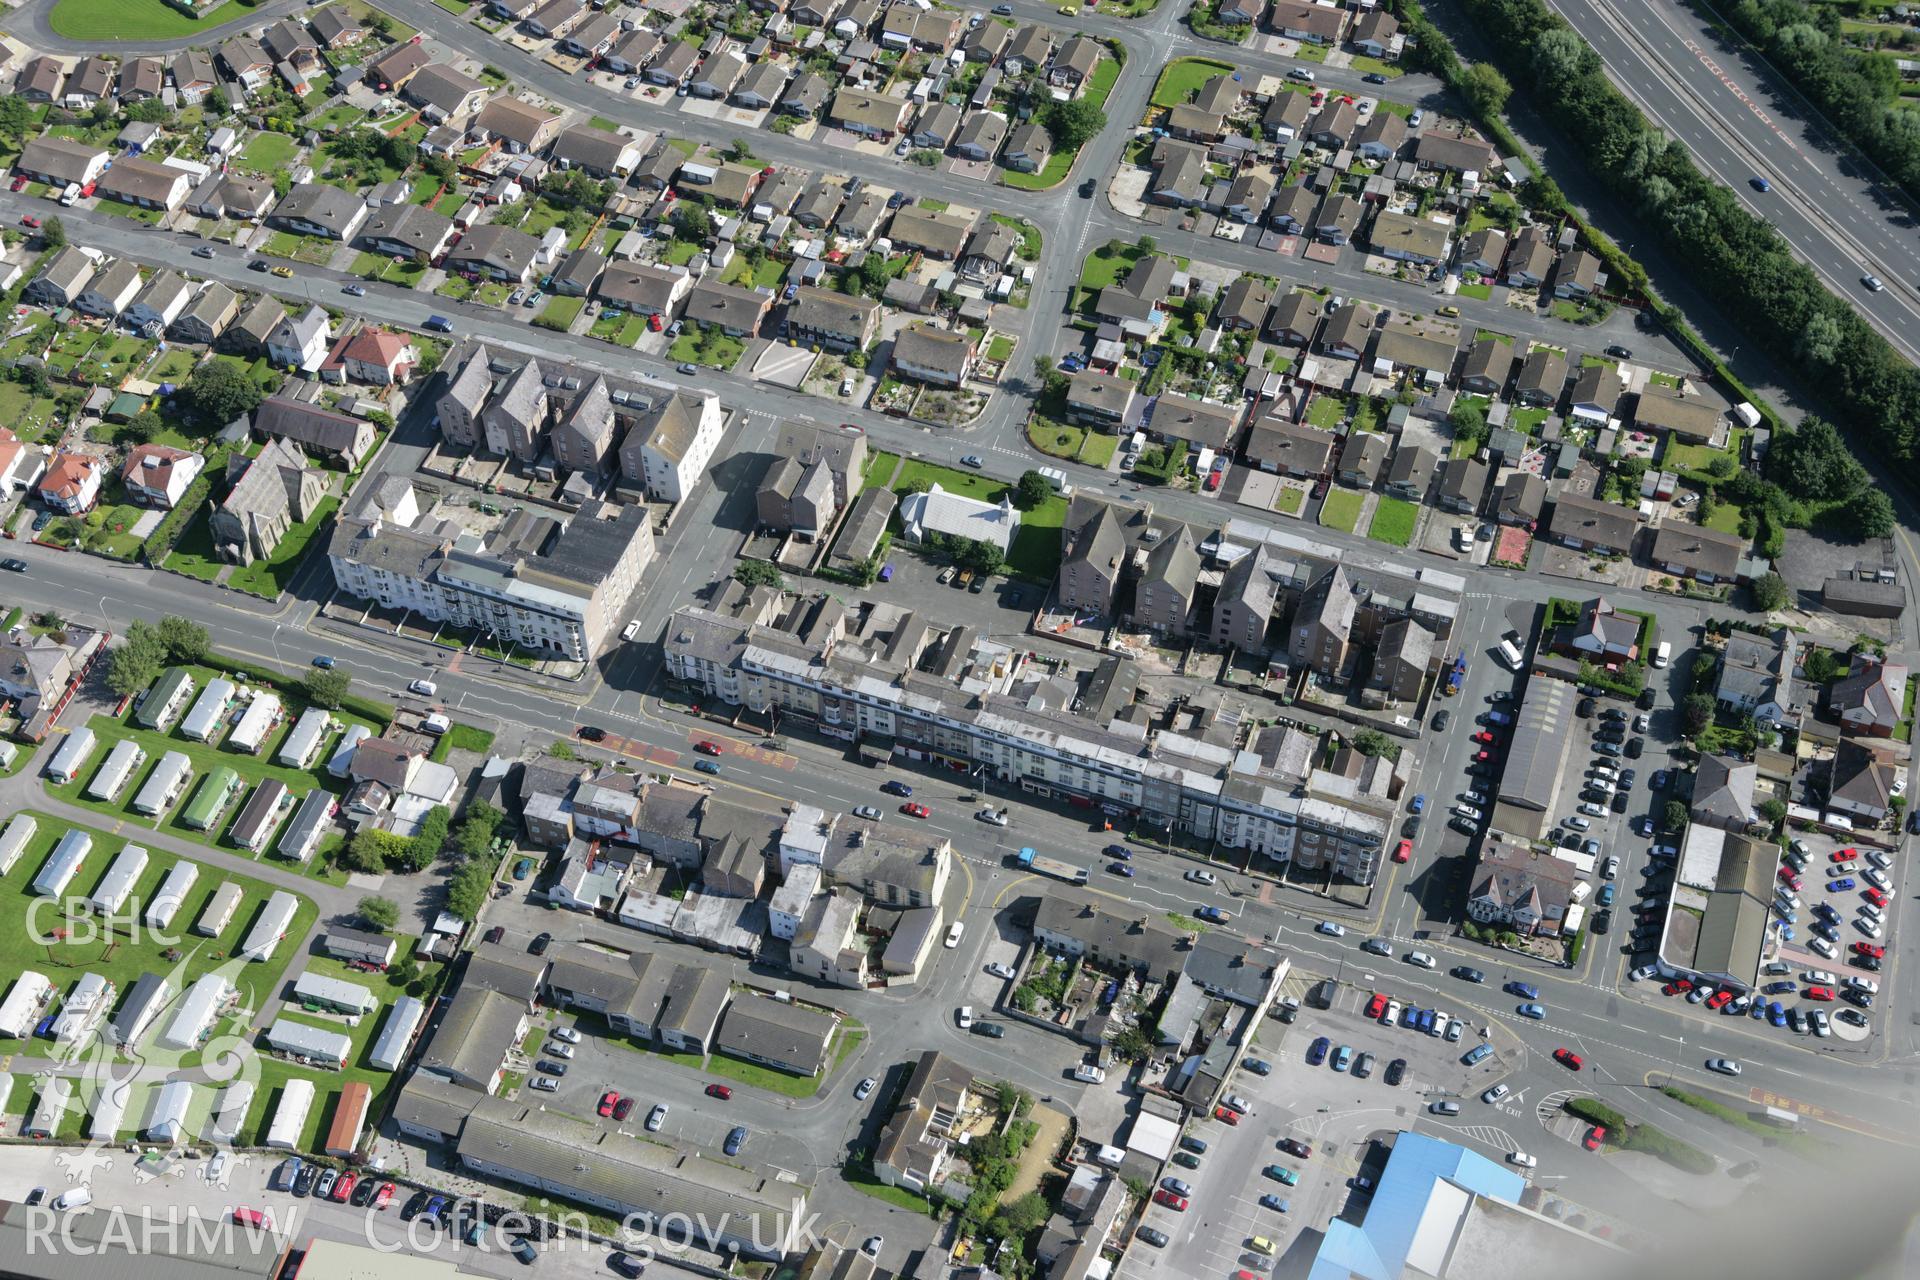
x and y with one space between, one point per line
1857 89
1738 260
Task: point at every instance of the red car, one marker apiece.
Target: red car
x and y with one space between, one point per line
1839 855
1403 851
1481 757
1878 897
608 1101
1719 1000
913 810
383 1197
1483 736
1595 1136
1679 986
1376 1007
19 182
1868 949
343 1188
1226 1115
1819 993
707 748
1785 872
1163 1196
1568 1059
720 1091
1296 1148
28 220
623 1108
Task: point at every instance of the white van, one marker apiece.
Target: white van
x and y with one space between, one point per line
78 1198
1663 653
1510 655
1109 1156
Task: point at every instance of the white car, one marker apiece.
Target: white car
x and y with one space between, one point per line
1420 959
1441 1021
966 1016
1331 928
1474 797
1644 972
1820 977
1867 985
1001 971
560 1050
1610 868
1823 947
1878 879
566 1035
546 1084
1234 1102
656 1117
1592 810
1725 1066
1879 859
1468 812
1820 1025
1872 912
953 934
1868 927
863 1089
1496 1093
1202 877
1391 1016
1521 1159
1579 824
631 630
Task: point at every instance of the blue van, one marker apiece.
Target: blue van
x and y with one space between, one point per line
439 324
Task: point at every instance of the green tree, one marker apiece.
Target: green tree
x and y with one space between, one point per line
366 852
1696 712
1674 815
1131 1044
16 117
53 233
1813 462
1704 667
1469 423
185 640
133 665
378 914
1073 123
1774 810
325 686
469 889
441 167
760 573
1031 490
1872 514
1721 466
141 428
218 393
1485 87
739 152
1769 592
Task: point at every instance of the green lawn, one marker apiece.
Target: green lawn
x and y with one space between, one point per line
267 153
121 953
561 311
1106 73
268 578
1184 77
1290 500
138 20
1393 521
880 467
1052 174
710 347
784 1083
1480 291
1341 510
130 211
1527 420
193 555
1325 412
741 271
1725 517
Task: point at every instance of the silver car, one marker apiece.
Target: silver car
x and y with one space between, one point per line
656 1117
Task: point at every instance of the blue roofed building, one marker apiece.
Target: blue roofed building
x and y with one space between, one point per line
1428 1190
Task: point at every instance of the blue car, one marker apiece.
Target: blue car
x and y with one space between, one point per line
1341 1057
1525 990
1606 896
1776 1014
1119 851
1537 1012
1759 1010
1478 1054
1841 885
1419 804
1317 1051
1759 184
1775 988
1274 1203
1425 1025
1121 869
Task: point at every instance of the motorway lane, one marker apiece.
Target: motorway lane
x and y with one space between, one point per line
1841 225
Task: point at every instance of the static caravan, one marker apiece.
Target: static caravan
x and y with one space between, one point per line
84 1010
171 894
290 1117
111 893
331 993
125 757
309 731
357 944
314 1044
167 1113
264 938
396 1037
14 840
211 800
218 913
73 753
63 864
256 723
196 1013
164 785
303 834
109 1109
260 815
349 1120
230 1107
146 1000
340 764
21 1009
50 1108
164 700
208 710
